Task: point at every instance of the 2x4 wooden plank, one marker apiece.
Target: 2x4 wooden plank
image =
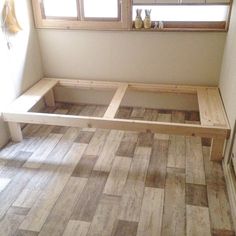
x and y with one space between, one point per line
26 101
119 124
115 102
211 107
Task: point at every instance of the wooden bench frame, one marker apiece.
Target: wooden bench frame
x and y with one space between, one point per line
213 119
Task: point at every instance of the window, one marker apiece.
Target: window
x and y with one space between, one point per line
166 15
101 9
59 9
185 14
81 14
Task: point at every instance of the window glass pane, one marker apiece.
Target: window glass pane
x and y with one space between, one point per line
101 8
60 8
185 13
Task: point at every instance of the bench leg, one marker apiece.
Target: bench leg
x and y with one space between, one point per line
217 149
15 131
49 99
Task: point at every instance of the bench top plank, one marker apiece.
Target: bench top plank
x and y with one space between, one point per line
27 100
211 108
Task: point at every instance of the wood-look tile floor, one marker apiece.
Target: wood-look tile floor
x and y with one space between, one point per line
95 182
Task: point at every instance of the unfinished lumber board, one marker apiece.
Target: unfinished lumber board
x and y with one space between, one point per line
116 101
15 131
211 107
26 101
217 149
119 124
49 99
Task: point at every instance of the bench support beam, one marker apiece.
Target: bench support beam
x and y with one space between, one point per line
217 149
49 99
15 131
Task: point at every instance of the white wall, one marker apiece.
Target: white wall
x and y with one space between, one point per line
21 66
228 72
167 57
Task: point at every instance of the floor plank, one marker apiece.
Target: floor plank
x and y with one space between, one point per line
174 214
117 177
107 156
86 205
125 228
40 180
133 192
105 217
97 142
43 206
156 175
61 212
127 144
150 222
196 195
85 166
76 228
177 152
198 222
163 117
219 207
195 173
41 153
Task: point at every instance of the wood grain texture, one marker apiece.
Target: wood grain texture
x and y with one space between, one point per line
97 142
84 137
125 228
40 180
196 195
213 170
195 173
145 139
162 117
76 228
156 174
41 153
174 216
219 207
150 222
177 152
85 166
137 113
127 144
45 202
117 177
124 112
198 222
61 212
51 188
86 205
105 216
106 158
133 192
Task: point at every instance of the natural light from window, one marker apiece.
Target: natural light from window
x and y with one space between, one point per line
185 13
60 8
101 8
